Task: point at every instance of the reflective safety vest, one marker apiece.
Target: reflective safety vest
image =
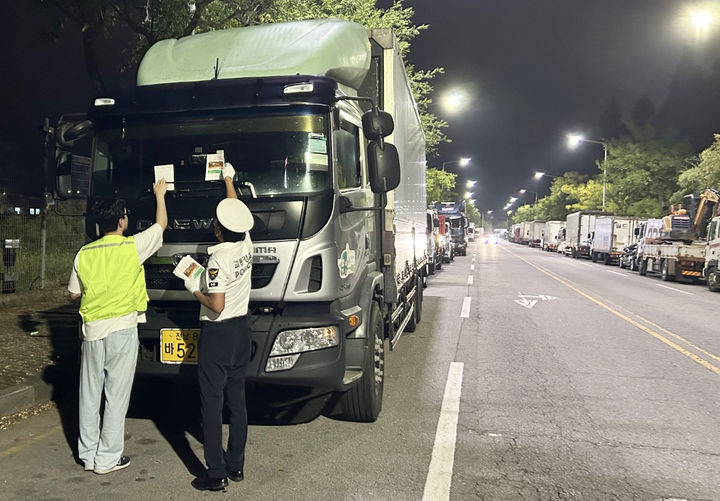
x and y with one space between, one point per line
112 277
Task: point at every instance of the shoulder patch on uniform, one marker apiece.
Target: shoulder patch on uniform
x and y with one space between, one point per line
213 272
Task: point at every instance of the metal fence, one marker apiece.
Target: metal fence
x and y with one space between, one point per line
38 243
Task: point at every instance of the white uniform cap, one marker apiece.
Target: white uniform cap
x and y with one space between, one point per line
234 215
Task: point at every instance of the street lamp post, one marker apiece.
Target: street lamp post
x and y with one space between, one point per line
539 175
463 162
536 195
574 140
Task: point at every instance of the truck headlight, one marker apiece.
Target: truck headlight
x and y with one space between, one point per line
289 344
300 340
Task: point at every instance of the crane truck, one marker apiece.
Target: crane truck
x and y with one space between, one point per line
320 124
679 250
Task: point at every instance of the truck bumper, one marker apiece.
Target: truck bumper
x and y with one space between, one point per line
323 370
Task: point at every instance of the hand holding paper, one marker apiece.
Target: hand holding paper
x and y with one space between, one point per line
228 171
192 284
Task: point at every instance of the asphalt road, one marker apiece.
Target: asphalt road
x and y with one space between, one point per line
531 376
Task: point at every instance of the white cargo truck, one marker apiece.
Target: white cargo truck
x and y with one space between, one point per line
612 234
535 231
552 235
579 232
340 213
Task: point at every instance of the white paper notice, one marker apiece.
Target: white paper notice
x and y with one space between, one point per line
166 171
188 268
214 166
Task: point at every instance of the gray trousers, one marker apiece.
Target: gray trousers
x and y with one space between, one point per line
106 364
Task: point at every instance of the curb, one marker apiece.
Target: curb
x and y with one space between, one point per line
31 392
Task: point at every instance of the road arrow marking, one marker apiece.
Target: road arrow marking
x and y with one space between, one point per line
527 303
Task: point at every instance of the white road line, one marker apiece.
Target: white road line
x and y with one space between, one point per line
674 289
437 484
585 264
616 273
472 267
470 279
465 312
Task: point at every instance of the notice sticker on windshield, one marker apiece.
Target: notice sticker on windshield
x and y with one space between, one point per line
316 161
214 165
317 143
166 171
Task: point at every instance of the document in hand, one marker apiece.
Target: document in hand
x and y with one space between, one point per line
188 268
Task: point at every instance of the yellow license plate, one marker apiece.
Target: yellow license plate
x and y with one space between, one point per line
179 346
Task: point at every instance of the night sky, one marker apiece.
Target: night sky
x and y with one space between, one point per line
533 70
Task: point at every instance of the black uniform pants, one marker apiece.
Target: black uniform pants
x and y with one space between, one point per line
223 356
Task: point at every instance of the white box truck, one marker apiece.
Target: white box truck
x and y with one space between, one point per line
612 234
579 231
340 213
535 231
552 235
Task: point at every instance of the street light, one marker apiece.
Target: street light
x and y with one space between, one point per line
463 162
482 218
574 140
539 174
470 183
524 191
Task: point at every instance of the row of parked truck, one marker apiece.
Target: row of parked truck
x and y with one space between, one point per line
685 244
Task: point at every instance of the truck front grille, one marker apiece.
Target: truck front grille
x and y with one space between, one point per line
160 276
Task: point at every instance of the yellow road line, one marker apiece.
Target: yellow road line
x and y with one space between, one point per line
31 440
656 335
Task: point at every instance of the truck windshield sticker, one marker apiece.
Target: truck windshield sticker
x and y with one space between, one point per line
317 143
346 263
316 161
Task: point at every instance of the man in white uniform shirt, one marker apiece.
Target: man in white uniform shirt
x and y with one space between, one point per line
224 346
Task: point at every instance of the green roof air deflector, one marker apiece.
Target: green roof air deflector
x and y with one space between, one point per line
331 47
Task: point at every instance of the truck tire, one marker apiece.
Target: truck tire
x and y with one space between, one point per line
439 263
362 402
633 264
713 280
607 260
593 257
417 309
642 267
621 264
665 271
431 268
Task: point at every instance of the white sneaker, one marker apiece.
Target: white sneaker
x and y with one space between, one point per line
123 462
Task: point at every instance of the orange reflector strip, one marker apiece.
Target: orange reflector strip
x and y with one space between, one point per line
353 320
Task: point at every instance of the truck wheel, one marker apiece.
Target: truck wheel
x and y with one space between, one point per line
606 259
417 309
593 257
431 268
362 402
713 280
439 263
452 255
621 263
665 271
633 264
642 266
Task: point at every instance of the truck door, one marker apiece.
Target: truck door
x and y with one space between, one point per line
353 230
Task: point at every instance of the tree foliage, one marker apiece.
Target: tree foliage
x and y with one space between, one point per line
705 171
151 21
440 185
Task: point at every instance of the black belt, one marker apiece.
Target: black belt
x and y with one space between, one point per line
225 321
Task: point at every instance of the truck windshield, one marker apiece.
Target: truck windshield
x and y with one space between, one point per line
273 154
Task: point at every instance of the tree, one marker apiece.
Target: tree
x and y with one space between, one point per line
440 185
150 22
643 171
704 173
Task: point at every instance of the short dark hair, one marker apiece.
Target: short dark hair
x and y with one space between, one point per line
107 213
230 236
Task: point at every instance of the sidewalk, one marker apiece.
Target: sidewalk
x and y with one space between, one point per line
38 343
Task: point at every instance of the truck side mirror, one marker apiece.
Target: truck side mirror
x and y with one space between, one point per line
66 133
383 167
72 175
377 124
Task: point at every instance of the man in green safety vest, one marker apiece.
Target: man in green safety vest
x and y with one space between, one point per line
109 278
